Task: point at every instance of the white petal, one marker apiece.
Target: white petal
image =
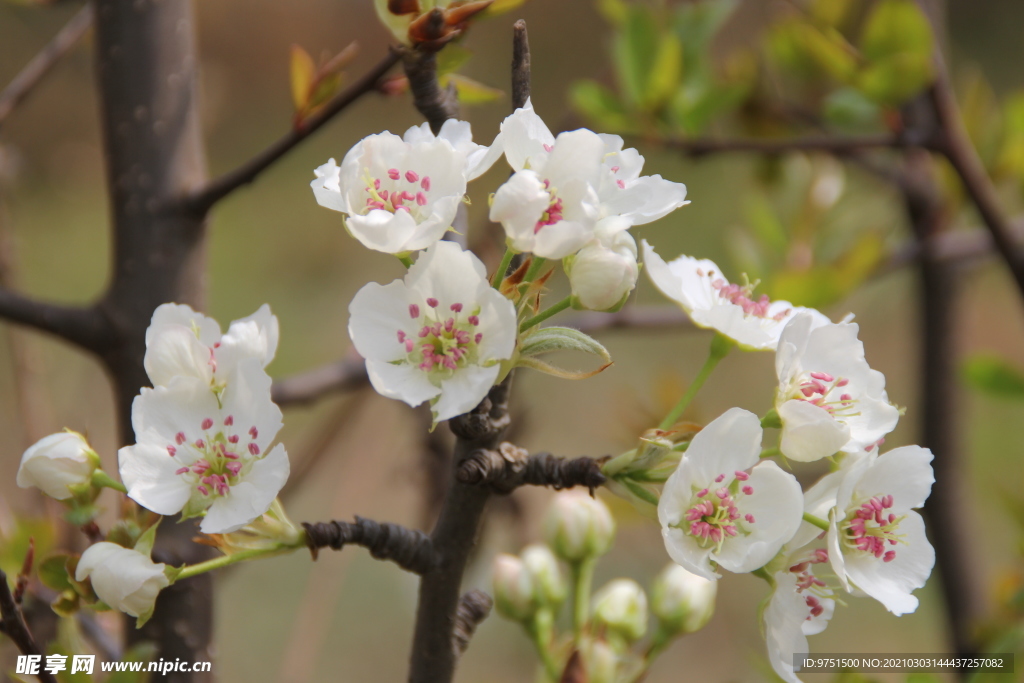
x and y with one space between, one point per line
447 273
809 432
905 473
464 391
646 199
783 625
403 382
777 506
730 443
518 204
687 553
148 472
891 583
524 135
376 315
181 406
177 352
382 230
254 336
561 239
172 315
498 324
326 188
247 400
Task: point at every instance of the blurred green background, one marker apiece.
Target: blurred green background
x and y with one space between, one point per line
347 617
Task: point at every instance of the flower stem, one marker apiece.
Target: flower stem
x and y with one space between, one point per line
771 420
720 346
582 577
405 259
499 274
816 521
769 452
101 479
534 270
540 632
234 558
545 314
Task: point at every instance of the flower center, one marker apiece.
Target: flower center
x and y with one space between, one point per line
820 389
743 296
714 516
397 191
872 530
807 583
219 457
553 214
441 344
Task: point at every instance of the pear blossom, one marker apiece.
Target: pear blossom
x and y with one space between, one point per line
401 194
698 286
57 462
439 335
515 592
828 399
798 608
182 342
201 453
721 507
605 271
621 190
578 526
877 543
682 601
123 578
550 208
621 607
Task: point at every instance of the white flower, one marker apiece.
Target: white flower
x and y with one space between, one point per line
183 343
621 190
551 207
123 578
794 612
605 271
401 194
198 451
515 593
682 601
698 286
877 543
578 526
828 399
439 335
714 512
56 462
624 192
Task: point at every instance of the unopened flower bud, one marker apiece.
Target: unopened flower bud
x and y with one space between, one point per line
549 584
621 607
578 527
514 593
123 578
604 272
601 661
57 462
683 602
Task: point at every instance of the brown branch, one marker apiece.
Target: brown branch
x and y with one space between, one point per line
824 143
520 65
506 468
410 549
437 104
201 200
83 326
12 624
343 375
40 65
474 607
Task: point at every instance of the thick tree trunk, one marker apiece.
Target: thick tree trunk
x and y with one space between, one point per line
148 88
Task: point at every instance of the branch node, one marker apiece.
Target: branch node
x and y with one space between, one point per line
473 608
509 467
410 549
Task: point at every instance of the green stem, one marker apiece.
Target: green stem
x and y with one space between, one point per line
405 259
540 632
771 420
545 314
534 270
582 578
720 346
499 274
101 479
234 558
769 452
816 521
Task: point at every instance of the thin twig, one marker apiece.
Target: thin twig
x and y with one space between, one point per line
205 197
84 326
437 104
507 467
520 65
38 67
346 374
410 549
824 143
12 624
474 607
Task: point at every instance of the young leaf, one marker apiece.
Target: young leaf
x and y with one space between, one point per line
600 105
548 339
303 71
53 572
145 543
470 91
896 26
561 373
994 376
665 73
635 50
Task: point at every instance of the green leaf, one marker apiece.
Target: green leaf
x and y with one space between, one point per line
809 51
66 603
765 224
554 370
548 339
635 51
53 572
470 91
850 110
898 78
302 71
831 12
451 58
992 375
14 543
698 23
614 12
600 105
665 73
143 652
145 543
896 27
